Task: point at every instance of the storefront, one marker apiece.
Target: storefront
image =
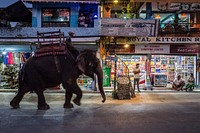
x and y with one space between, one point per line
159 63
12 58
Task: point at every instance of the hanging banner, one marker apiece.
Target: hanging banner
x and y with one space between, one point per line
149 49
198 65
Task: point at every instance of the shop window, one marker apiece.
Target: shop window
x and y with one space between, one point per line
54 17
87 14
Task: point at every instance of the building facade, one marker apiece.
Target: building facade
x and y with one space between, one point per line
126 30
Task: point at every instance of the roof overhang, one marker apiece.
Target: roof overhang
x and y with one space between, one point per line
88 40
18 12
75 40
65 1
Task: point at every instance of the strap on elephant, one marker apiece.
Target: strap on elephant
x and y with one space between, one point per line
57 63
51 50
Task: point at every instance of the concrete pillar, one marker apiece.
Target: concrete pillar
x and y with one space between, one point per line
34 15
74 15
198 67
148 10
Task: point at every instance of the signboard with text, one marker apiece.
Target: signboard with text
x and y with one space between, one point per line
154 40
186 49
124 27
149 49
121 49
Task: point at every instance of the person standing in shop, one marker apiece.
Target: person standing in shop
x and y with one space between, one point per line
81 20
136 72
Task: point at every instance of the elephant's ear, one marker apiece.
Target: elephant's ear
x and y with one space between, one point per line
81 64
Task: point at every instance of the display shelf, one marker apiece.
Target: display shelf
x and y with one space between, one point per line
186 66
173 65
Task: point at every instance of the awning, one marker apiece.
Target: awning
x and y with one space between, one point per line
17 48
86 43
66 1
23 44
85 40
18 12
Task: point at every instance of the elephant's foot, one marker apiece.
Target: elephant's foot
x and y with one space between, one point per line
68 105
14 104
77 101
43 107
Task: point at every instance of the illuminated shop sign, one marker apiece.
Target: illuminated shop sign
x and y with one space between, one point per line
161 40
186 49
154 48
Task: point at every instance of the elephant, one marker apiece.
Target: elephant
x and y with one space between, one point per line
40 73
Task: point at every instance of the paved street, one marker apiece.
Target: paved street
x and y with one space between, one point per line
149 112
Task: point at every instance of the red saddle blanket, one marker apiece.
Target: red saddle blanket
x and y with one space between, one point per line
51 50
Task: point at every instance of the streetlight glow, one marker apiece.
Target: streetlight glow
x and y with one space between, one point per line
126 45
115 1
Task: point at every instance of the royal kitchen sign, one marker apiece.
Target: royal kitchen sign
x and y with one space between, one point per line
154 40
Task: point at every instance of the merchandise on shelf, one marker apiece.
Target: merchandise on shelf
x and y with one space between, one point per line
173 66
125 65
10 63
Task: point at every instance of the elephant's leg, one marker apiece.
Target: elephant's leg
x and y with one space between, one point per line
76 89
68 97
20 94
42 105
72 87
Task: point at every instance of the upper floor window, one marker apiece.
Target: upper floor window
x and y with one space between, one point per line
55 17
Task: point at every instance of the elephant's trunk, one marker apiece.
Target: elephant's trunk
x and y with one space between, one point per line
99 73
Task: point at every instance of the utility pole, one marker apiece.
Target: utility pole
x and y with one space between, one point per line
115 59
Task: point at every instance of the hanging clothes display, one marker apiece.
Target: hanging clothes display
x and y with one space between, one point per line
1 58
10 58
16 57
5 59
22 58
27 55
